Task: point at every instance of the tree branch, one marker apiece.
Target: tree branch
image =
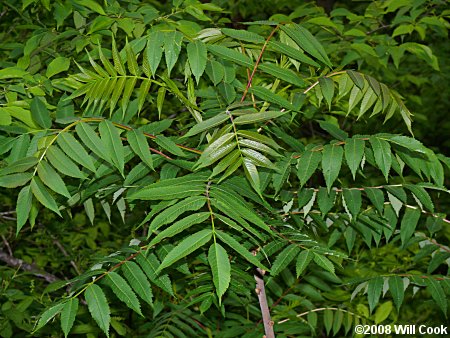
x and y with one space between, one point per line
261 292
20 264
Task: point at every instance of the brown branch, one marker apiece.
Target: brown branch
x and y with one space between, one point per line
261 292
20 264
249 83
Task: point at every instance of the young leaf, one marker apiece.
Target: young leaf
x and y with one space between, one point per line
331 163
123 291
170 214
185 247
307 165
43 196
269 96
231 54
139 144
62 163
323 262
307 42
75 150
220 268
172 48
374 289
284 258
111 138
51 179
382 154
397 290
48 315
92 141
327 87
303 259
68 315
354 152
154 50
437 292
353 200
180 226
197 56
98 307
40 113
23 207
215 71
138 281
408 225
239 248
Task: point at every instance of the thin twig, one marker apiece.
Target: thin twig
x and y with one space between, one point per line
261 292
64 252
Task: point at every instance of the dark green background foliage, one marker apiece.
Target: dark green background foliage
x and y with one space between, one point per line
154 154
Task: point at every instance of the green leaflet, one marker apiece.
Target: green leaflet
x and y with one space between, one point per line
307 42
23 207
408 224
57 65
303 260
87 134
62 163
51 179
408 143
258 117
243 35
269 96
75 150
333 130
376 197
284 258
98 307
283 74
68 315
111 138
207 124
353 200
19 166
131 60
437 292
197 56
215 71
48 315
374 289
149 265
188 185
252 174
327 87
292 53
167 144
331 163
231 54
154 50
138 143
216 150
40 113
307 165
220 268
258 146
326 200
382 154
138 281
422 195
43 196
357 78
179 226
15 180
186 247
123 291
397 290
170 214
354 152
257 158
117 60
323 262
239 248
328 320
172 48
